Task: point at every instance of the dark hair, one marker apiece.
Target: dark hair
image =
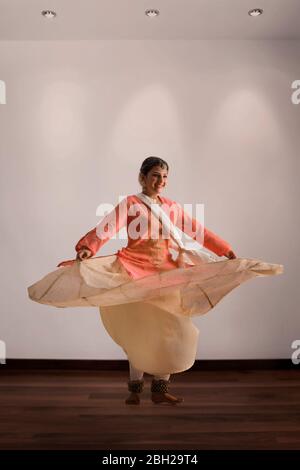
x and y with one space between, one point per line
150 162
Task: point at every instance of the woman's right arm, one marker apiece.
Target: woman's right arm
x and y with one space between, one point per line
90 243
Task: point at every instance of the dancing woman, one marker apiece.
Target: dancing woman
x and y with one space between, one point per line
140 324
146 296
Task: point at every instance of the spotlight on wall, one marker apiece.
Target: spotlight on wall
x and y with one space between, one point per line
48 14
256 12
152 13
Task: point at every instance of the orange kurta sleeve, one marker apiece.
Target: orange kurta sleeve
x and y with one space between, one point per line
106 229
194 229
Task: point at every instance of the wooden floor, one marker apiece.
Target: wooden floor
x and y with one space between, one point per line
50 409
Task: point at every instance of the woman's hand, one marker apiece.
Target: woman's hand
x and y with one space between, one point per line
231 255
84 253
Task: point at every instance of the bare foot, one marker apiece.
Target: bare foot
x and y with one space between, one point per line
133 399
160 397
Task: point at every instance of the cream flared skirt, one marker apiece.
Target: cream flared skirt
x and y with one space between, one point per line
149 318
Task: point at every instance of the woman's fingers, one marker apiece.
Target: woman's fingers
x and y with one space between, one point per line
231 255
83 254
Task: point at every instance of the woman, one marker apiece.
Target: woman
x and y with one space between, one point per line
146 296
142 323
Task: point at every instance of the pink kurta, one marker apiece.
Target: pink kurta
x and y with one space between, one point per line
144 255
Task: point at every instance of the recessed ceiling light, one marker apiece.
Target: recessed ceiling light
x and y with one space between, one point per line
256 12
152 13
48 14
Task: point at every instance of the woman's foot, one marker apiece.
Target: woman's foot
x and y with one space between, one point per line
160 393
133 399
135 387
158 397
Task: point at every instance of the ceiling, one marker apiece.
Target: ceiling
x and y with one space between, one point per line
126 19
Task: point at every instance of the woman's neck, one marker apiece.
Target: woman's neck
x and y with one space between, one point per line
154 196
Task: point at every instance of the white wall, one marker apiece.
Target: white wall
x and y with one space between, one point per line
80 118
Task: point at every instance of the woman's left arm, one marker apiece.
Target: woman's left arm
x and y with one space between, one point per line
195 230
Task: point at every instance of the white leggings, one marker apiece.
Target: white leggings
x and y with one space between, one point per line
136 374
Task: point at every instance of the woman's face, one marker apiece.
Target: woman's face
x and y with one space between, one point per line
155 180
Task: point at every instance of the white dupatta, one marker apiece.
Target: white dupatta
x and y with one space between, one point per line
186 256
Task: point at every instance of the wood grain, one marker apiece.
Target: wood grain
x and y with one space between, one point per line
77 409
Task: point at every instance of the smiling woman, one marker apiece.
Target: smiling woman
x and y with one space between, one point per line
146 297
